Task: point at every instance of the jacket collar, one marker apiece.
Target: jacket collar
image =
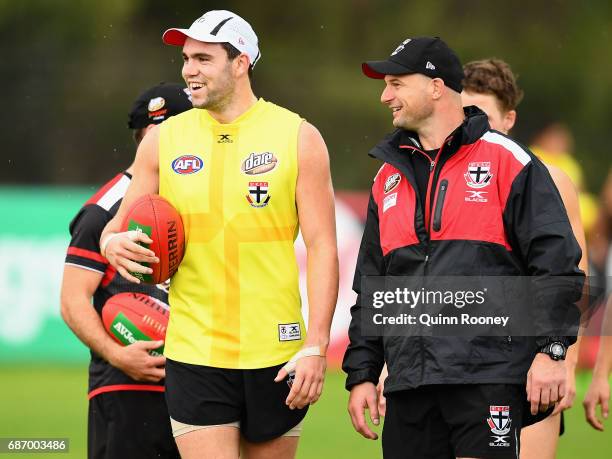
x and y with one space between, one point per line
473 128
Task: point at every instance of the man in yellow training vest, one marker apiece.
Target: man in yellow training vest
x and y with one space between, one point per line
245 175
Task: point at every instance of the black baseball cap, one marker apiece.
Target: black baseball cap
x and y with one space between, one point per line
429 56
159 103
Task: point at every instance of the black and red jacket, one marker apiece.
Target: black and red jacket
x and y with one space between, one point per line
84 252
491 209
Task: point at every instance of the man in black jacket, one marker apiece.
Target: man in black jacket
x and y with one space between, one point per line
454 198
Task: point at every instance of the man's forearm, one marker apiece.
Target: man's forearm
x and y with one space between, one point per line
322 289
603 364
83 320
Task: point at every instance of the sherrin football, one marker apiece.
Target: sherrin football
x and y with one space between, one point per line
129 317
156 217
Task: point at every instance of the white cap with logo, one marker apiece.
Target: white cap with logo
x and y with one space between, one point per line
219 26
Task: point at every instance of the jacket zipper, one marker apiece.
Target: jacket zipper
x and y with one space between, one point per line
437 220
427 204
432 167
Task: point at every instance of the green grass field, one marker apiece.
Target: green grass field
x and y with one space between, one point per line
51 402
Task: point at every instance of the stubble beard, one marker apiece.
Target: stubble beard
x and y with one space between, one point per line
415 119
219 98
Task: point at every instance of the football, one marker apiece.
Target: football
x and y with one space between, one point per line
130 317
156 217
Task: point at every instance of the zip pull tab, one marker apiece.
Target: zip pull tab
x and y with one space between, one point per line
432 165
426 258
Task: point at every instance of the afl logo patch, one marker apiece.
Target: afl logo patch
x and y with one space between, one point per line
187 164
391 182
157 103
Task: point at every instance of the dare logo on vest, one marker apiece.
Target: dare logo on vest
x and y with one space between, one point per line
259 163
187 164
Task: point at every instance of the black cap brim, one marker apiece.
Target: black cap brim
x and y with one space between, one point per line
378 69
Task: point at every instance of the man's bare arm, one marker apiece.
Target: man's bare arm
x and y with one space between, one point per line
78 286
569 196
599 389
315 204
316 211
122 251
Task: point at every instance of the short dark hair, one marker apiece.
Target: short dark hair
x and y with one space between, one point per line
493 76
233 53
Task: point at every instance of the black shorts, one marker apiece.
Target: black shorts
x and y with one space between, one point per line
201 396
130 424
448 421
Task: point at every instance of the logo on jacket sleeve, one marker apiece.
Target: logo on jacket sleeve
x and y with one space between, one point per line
389 202
258 194
187 164
499 422
392 182
478 175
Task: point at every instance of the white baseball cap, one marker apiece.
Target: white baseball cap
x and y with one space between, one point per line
219 26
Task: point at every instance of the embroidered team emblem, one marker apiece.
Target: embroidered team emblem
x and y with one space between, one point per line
258 194
478 175
499 422
392 182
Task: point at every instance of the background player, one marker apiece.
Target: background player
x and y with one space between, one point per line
236 314
128 416
491 85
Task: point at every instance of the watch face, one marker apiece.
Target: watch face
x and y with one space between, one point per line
557 349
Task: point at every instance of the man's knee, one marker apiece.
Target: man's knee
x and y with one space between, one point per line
218 441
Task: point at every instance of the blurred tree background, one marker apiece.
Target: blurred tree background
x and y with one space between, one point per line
71 69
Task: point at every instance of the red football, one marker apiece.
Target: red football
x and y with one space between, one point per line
130 317
156 217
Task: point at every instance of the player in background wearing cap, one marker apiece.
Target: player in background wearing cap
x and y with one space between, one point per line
490 85
434 210
244 174
128 416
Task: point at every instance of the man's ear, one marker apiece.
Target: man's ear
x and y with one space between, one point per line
241 65
437 88
509 120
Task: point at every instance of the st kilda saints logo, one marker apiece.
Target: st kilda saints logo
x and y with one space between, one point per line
499 422
478 175
258 194
392 182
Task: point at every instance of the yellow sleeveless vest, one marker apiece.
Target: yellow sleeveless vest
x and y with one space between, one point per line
235 300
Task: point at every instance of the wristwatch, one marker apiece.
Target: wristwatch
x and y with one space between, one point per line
555 350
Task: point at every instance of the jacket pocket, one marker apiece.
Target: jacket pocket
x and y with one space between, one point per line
437 220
